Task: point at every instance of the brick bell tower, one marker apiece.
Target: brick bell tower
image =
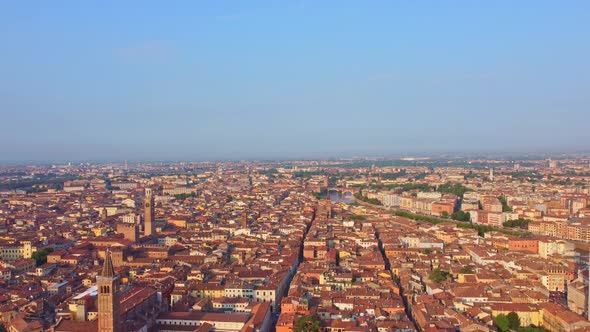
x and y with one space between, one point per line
148 212
109 316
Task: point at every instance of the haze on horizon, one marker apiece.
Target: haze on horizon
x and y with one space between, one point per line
143 80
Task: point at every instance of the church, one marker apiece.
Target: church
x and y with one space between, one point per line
107 307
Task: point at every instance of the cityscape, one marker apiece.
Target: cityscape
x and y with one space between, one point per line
295 166
411 244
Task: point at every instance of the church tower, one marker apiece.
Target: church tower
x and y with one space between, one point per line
244 219
109 317
148 213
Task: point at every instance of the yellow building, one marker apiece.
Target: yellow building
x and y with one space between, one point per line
99 231
528 313
16 251
210 291
557 318
577 299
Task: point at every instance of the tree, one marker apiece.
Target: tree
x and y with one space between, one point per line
40 256
467 269
505 207
3 327
332 181
502 323
519 223
182 197
420 176
438 275
331 244
456 189
461 216
532 328
307 324
444 214
317 195
366 199
513 320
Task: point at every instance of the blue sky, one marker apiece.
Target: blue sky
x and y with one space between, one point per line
141 80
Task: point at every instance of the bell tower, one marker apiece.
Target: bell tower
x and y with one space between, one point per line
148 212
109 317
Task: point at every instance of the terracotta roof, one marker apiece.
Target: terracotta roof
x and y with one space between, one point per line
76 326
204 316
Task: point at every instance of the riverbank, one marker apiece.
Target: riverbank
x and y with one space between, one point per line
481 229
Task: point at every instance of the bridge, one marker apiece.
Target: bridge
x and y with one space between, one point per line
344 190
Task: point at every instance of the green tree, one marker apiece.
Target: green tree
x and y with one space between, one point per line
502 323
316 194
457 189
366 199
438 275
467 269
393 176
519 223
331 244
307 324
532 328
513 320
481 229
505 207
461 216
332 181
3 327
40 256
444 214
182 197
420 176
307 175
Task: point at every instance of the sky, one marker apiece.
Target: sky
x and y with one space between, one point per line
198 80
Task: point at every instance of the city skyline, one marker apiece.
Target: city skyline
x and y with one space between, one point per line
356 245
264 80
295 166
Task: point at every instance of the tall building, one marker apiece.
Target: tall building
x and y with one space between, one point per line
148 214
129 231
27 249
491 174
109 317
244 219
